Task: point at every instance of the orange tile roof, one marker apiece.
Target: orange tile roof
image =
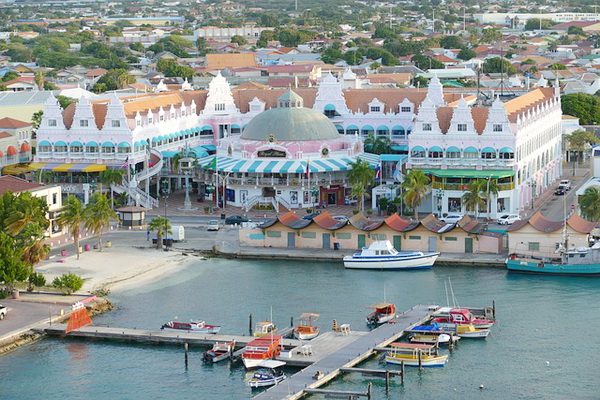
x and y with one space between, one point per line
233 60
9 183
4 134
326 221
526 101
11 123
363 223
400 224
581 225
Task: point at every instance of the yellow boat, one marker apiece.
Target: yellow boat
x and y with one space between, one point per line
409 353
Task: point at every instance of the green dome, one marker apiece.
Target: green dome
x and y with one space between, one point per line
290 124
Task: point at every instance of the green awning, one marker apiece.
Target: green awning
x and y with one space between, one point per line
469 173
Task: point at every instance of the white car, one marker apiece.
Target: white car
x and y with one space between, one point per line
340 218
213 225
508 219
451 218
565 185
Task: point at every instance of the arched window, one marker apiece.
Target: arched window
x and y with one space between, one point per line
470 152
398 131
367 130
417 152
383 131
340 129
329 111
436 152
488 153
351 130
506 153
452 152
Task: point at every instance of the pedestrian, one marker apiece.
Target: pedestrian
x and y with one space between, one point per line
148 235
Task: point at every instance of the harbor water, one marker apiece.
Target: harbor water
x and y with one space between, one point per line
543 346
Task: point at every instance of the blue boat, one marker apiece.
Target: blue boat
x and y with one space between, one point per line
584 261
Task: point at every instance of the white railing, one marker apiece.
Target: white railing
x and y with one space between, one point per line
283 202
252 201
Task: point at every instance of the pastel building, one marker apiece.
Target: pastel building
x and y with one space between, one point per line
516 145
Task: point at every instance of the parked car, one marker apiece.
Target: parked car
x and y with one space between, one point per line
311 216
213 225
451 218
559 191
3 311
565 185
235 220
508 219
340 218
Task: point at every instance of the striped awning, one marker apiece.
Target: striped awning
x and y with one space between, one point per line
228 164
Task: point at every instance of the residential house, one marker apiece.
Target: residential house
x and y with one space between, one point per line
21 130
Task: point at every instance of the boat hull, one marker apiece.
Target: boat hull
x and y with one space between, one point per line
305 336
426 362
425 261
541 267
251 363
441 339
215 357
256 383
478 334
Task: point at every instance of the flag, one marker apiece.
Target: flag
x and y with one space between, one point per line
125 163
307 167
213 164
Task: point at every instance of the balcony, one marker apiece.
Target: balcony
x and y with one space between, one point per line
465 186
462 162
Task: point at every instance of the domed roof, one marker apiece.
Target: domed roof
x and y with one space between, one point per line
290 122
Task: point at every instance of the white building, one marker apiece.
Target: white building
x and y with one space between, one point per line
507 18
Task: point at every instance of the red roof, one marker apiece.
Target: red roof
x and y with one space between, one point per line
4 134
400 224
326 221
11 151
25 147
11 123
92 73
9 183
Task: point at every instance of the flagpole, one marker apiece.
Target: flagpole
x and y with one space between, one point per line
216 182
309 188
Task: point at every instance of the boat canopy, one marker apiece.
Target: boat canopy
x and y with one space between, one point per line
307 315
412 346
383 305
271 364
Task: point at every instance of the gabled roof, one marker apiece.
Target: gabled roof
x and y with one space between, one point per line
9 183
400 224
470 225
326 221
543 224
231 60
433 224
361 222
581 225
292 220
11 123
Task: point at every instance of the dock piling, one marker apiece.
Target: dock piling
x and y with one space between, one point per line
369 391
387 383
420 359
250 324
185 348
402 373
494 309
292 321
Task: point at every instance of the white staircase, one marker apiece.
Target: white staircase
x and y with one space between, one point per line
274 201
135 194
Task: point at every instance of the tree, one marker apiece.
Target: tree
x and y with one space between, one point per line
378 145
111 177
171 68
36 119
466 54
425 62
332 54
575 30
360 177
580 140
19 53
35 280
474 199
68 283
589 203
491 35
71 217
137 46
416 187
239 40
496 65
586 107
451 42
162 227
557 67
113 80
534 24
97 215
491 190
175 44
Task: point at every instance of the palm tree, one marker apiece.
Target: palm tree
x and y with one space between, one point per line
474 198
36 252
416 187
97 215
72 216
111 177
491 190
590 204
377 145
360 177
26 213
162 227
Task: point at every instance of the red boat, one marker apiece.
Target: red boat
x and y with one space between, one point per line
382 313
463 316
195 326
259 349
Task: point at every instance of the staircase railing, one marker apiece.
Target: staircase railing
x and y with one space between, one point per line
283 202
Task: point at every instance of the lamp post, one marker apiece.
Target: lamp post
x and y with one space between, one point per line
532 185
440 196
224 199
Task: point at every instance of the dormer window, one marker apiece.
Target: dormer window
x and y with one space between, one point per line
405 109
150 120
497 128
83 123
183 112
138 122
427 127
375 109
220 107
116 123
172 116
462 127
51 122
161 118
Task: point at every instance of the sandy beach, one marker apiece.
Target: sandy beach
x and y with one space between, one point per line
116 267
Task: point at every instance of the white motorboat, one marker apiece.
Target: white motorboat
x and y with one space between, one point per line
268 374
383 256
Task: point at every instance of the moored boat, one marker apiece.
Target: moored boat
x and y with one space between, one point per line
260 349
383 256
219 352
306 330
268 374
435 339
575 261
264 328
410 353
192 326
382 313
469 331
462 316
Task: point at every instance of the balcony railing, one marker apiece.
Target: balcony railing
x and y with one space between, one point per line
463 162
464 187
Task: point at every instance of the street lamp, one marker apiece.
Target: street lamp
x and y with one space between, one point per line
532 185
440 196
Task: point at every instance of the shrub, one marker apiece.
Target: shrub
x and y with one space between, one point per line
68 283
36 280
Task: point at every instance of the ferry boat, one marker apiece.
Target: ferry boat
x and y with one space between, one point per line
260 349
264 328
409 353
462 316
382 313
306 330
382 255
575 261
219 352
268 374
194 326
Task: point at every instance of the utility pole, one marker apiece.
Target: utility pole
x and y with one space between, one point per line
433 21
296 5
464 19
390 16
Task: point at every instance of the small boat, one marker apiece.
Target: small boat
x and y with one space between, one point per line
268 374
469 331
462 316
194 326
306 330
260 349
409 353
383 256
264 328
381 314
219 352
435 339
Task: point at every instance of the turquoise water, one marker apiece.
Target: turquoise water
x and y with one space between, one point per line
543 347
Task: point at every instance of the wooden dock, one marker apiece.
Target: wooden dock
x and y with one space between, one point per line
351 354
156 336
